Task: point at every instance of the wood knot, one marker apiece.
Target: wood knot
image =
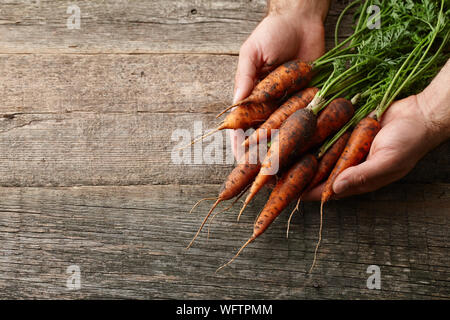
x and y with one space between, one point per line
194 11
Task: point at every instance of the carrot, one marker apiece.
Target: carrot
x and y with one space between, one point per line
243 117
324 168
335 115
357 148
355 151
298 101
329 159
284 80
287 189
226 209
248 115
330 120
295 131
239 178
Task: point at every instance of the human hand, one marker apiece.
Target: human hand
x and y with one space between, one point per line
409 129
291 30
407 134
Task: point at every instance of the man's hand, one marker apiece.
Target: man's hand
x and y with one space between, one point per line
409 129
293 29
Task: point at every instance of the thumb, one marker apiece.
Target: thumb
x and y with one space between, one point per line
368 176
246 73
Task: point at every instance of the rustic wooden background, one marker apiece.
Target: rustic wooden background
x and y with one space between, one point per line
87 179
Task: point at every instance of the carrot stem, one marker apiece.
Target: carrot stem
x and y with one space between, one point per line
338 22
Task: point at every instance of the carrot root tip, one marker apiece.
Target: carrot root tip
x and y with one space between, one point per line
198 202
230 107
203 223
290 217
242 210
199 138
237 254
320 238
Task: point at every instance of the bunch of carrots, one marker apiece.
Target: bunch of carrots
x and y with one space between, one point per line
323 116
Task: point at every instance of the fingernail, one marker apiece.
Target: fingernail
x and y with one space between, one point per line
340 186
237 95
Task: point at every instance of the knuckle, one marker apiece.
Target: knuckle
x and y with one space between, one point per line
360 179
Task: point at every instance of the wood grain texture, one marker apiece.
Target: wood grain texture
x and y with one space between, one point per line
129 243
115 83
133 26
87 179
125 149
109 119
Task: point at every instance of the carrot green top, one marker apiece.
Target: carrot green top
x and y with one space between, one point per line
381 64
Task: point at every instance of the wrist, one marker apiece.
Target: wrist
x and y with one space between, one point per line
315 10
434 104
435 117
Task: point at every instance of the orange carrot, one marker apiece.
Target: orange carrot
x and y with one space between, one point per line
335 115
324 168
288 188
357 148
284 80
241 176
248 115
243 117
329 159
295 131
298 101
355 151
330 120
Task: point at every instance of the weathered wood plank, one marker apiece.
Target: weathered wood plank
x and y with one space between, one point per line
126 149
88 119
133 26
109 119
115 83
129 243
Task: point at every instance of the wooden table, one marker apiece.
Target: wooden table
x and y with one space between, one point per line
87 179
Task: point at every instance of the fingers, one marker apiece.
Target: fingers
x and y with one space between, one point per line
246 73
376 172
368 176
365 177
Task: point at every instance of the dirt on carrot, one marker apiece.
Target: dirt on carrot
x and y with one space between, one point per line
298 101
329 121
287 189
239 178
355 151
248 115
295 131
329 159
283 81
